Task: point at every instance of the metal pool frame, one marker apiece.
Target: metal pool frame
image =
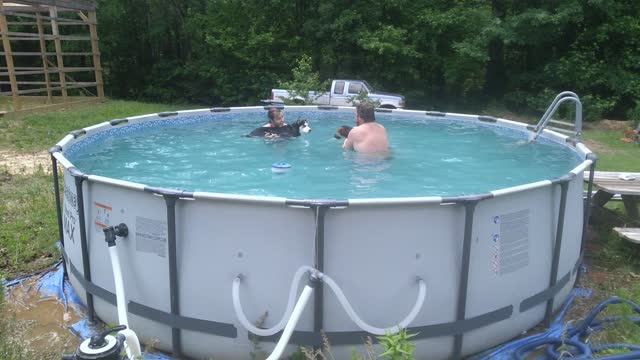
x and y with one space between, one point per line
563 197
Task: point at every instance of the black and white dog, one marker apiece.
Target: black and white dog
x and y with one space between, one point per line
292 130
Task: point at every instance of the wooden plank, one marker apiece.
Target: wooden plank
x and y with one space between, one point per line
95 49
53 13
603 175
51 70
35 91
32 23
630 234
9 59
614 182
12 38
86 83
64 20
47 36
67 4
43 50
24 53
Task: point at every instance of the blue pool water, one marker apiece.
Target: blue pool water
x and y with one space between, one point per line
429 157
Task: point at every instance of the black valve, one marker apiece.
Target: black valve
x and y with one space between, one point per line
98 341
111 232
101 347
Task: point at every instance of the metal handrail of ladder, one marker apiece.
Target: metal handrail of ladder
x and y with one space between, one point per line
546 118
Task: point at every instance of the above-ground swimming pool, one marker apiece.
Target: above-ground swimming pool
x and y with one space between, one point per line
496 247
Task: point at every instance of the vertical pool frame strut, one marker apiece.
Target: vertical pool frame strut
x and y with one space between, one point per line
553 277
587 205
319 208
469 203
79 178
171 197
318 263
56 190
469 210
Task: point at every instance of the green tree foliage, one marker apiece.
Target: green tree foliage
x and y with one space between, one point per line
448 55
306 86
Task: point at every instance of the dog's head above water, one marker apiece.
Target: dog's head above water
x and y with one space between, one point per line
302 126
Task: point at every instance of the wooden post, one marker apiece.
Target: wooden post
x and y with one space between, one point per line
53 13
95 49
43 50
9 57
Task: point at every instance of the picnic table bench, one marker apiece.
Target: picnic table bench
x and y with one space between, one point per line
625 184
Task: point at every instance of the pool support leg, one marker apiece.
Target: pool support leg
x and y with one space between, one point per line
587 205
553 278
79 178
170 199
469 209
318 297
56 189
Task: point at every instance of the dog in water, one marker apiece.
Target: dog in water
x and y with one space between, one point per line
342 132
301 126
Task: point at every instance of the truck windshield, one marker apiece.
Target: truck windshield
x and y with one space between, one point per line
368 86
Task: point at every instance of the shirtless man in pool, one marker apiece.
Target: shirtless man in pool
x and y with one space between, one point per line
368 136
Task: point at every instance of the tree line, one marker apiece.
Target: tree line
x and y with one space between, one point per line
441 54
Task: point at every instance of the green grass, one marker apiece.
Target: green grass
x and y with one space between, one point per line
40 131
29 224
623 330
613 154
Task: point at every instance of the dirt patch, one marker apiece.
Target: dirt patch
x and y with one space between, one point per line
25 163
40 322
598 147
605 124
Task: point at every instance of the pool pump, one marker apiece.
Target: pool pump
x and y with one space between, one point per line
101 347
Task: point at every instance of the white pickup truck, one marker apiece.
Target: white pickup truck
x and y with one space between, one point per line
341 92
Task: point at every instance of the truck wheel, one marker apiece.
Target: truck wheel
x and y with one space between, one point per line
387 106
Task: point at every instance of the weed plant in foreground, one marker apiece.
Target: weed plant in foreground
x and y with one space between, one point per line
392 346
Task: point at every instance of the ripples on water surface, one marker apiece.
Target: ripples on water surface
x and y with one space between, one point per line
428 157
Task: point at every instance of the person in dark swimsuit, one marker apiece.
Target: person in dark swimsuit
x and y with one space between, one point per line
275 128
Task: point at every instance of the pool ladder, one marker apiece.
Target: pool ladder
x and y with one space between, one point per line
574 128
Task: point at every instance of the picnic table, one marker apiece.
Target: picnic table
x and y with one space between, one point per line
610 183
625 184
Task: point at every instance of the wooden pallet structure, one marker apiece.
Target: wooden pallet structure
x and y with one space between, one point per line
47 35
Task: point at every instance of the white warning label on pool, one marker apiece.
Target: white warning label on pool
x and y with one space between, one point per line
510 241
151 236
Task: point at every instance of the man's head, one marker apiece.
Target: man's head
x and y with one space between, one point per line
365 113
276 117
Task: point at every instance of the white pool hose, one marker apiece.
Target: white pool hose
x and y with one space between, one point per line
293 291
291 324
291 316
132 343
117 278
366 327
